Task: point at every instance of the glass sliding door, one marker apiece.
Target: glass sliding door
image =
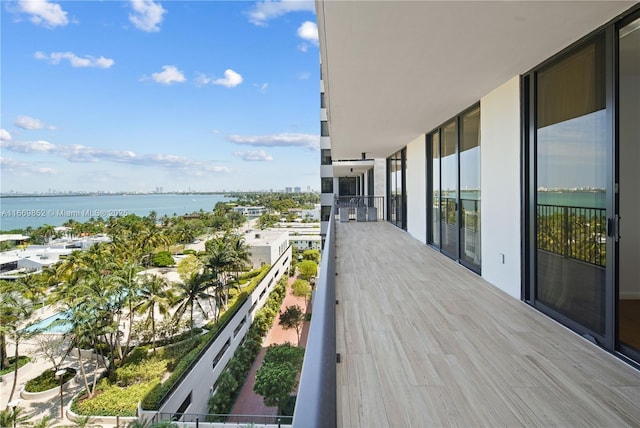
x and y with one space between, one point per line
572 166
449 190
433 149
453 175
629 179
582 151
470 188
396 189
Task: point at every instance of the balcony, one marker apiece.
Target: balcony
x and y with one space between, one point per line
422 341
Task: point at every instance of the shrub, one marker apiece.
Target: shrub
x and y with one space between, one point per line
22 360
113 400
47 380
163 259
282 353
234 374
307 269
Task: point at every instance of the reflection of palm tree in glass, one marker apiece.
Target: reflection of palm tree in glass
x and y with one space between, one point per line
574 232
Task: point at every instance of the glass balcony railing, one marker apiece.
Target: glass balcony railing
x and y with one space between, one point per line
316 401
371 207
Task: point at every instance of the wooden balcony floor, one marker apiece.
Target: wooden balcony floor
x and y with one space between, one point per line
424 342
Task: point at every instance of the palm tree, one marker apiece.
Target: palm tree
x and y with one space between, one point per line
128 282
155 295
191 293
241 253
14 310
48 232
218 258
82 422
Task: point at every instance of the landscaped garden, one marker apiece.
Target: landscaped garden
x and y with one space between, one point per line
140 326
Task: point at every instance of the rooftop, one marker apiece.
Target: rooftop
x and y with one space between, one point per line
263 237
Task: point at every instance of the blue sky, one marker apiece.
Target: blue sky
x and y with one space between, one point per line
132 95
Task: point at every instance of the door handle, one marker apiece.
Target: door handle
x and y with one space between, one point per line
613 227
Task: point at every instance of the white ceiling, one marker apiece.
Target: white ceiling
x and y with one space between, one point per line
396 69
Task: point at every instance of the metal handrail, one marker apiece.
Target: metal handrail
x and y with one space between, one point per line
316 402
577 233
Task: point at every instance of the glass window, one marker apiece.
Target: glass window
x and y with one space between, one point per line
348 186
571 159
449 189
325 213
396 194
324 128
453 156
629 155
470 187
434 230
322 100
325 157
327 184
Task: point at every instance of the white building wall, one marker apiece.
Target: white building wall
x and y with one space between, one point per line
500 186
200 380
416 189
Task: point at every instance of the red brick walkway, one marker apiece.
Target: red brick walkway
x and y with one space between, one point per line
248 402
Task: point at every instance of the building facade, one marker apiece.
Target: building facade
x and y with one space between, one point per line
508 136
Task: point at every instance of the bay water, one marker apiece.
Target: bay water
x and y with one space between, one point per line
35 211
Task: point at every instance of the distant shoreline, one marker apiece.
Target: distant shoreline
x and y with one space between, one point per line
57 195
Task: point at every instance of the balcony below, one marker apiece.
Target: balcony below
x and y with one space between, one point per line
425 342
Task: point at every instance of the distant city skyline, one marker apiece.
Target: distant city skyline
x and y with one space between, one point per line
134 95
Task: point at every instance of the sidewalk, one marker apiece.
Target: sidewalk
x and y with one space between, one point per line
248 402
37 409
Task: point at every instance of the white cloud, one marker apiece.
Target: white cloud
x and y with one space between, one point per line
146 15
169 74
202 79
262 88
74 60
254 155
304 76
230 80
30 123
308 32
12 165
84 154
309 141
4 135
269 9
44 13
28 146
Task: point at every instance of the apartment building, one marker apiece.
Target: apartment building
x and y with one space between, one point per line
508 136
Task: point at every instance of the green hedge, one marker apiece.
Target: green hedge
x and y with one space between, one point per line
114 400
47 380
143 370
22 360
234 374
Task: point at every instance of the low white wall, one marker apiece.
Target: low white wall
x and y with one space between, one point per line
44 395
119 421
500 185
201 379
417 189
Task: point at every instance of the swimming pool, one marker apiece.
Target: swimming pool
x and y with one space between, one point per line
49 324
